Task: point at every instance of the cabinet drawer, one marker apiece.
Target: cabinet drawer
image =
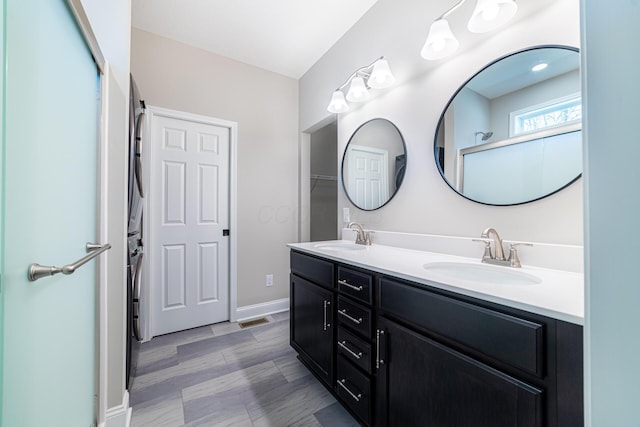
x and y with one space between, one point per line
314 269
354 349
354 389
354 316
355 283
515 341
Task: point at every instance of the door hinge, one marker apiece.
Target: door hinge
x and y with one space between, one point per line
225 232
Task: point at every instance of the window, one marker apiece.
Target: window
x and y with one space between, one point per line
552 114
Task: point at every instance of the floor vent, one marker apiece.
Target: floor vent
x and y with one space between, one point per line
253 322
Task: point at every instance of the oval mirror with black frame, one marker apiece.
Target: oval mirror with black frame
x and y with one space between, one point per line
373 164
512 133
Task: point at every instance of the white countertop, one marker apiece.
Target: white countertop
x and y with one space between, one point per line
560 294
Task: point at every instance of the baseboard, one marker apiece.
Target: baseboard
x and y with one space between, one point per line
262 309
119 416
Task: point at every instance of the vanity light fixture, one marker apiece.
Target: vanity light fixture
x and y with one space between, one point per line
375 76
487 15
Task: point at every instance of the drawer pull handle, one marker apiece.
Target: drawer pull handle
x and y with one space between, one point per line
355 288
343 344
355 397
378 360
343 312
326 325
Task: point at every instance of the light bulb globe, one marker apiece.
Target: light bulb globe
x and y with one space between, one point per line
491 14
440 41
338 104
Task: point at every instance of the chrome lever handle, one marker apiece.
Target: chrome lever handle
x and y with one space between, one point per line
349 285
487 247
355 397
37 271
326 325
378 361
343 344
343 312
513 245
514 260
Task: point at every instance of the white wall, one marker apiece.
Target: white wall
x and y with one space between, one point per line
424 203
111 23
612 206
264 104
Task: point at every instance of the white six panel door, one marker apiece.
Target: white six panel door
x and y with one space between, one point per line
368 176
189 200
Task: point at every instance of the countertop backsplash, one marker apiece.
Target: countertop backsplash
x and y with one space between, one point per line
545 255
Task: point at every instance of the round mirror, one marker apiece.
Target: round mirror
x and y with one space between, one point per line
512 133
373 164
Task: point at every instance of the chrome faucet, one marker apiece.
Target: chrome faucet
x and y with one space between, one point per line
490 235
363 238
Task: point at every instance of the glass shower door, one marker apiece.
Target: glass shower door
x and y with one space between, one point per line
50 142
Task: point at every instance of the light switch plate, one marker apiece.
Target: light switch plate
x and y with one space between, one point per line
346 216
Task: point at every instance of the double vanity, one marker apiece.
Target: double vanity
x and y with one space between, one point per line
416 333
413 338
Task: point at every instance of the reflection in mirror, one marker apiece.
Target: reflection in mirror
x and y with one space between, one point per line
373 164
512 133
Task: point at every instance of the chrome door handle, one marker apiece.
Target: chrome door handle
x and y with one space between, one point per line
343 344
355 288
37 271
378 360
343 312
326 325
355 397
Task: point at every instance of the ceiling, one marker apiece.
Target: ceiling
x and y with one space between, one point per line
514 72
283 36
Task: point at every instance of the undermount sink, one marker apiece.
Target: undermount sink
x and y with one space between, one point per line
338 246
481 273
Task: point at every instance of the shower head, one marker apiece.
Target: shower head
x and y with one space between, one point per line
485 135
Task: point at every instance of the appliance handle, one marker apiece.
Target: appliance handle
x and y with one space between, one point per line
138 154
37 271
136 299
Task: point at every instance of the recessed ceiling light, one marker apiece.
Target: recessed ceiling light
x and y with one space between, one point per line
539 67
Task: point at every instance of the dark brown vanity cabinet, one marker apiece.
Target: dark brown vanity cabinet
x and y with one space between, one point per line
354 380
448 360
312 301
424 383
408 354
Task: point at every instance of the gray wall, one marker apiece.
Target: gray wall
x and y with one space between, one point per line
264 104
424 203
612 206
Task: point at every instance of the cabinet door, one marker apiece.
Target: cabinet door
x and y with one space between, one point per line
424 383
312 326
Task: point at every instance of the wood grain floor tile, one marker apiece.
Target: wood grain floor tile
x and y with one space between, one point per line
167 413
221 375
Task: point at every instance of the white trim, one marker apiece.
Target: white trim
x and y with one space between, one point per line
262 309
119 416
154 111
85 27
103 262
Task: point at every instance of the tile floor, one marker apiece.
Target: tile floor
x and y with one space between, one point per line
222 375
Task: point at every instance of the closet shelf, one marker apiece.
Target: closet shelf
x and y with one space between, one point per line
325 177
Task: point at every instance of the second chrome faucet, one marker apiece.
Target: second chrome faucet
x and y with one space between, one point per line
363 238
490 235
